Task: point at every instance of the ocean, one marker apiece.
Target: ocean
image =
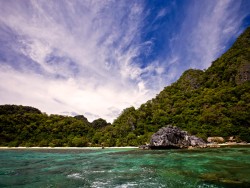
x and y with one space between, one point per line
125 167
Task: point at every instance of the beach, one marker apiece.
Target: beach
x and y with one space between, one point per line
69 148
209 145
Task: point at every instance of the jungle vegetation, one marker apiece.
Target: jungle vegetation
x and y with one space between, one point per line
212 102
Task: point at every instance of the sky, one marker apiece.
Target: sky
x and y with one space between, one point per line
96 58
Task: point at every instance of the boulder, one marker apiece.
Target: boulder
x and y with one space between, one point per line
173 137
144 147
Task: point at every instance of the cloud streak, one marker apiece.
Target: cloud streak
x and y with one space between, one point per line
83 52
204 34
99 57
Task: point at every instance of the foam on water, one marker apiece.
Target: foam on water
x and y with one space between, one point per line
127 185
75 176
100 184
125 168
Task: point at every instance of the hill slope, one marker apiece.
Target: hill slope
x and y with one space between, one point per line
215 102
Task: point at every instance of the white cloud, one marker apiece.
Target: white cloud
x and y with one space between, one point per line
101 38
60 96
217 24
205 32
162 13
86 53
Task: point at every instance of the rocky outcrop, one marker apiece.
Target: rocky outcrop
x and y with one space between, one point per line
173 137
144 147
243 74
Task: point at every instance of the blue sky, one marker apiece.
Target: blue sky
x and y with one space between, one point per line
98 57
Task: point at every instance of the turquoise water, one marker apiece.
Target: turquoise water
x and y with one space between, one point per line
222 167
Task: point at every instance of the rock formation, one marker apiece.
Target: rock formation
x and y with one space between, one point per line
173 137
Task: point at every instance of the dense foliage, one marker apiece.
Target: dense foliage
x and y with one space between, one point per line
214 102
32 129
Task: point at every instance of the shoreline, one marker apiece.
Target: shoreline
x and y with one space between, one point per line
210 145
234 144
69 148
223 145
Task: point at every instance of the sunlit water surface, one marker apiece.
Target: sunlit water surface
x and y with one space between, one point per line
222 167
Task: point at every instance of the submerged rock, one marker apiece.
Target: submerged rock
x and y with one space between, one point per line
173 137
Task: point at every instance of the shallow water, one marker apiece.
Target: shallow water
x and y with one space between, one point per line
214 167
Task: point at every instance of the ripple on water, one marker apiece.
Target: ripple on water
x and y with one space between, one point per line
75 176
229 167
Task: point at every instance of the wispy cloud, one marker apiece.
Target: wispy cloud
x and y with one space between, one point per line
85 53
218 24
99 57
204 34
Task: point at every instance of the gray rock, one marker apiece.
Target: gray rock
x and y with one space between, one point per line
173 137
144 147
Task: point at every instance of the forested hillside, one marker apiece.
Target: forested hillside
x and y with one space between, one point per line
27 126
214 102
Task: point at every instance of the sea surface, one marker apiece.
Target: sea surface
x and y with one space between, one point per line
121 168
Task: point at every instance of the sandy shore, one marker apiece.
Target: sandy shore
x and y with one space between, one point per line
227 144
234 144
129 147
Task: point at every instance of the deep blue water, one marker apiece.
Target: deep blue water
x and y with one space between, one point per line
220 167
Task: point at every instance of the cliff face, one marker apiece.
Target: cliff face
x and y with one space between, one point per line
243 73
190 80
